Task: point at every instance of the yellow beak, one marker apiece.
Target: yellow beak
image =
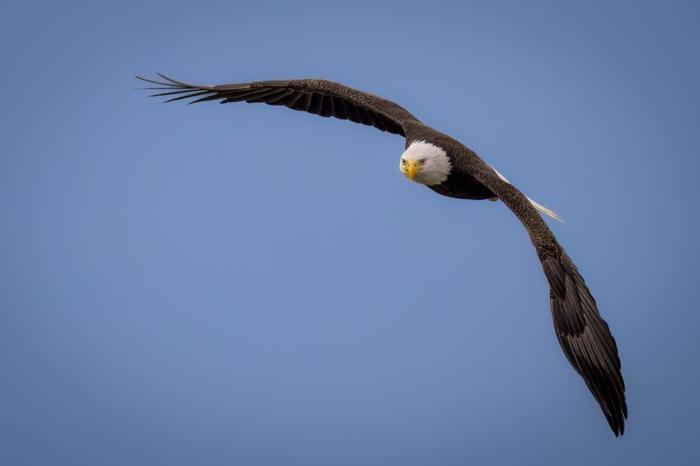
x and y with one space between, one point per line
412 170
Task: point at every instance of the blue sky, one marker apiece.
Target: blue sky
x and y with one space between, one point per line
243 284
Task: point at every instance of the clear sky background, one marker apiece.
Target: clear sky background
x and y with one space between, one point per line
247 285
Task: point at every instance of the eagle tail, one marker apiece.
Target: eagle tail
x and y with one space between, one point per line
540 208
545 210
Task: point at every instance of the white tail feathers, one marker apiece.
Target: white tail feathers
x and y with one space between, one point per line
545 210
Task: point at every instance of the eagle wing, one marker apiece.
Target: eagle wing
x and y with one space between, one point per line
317 96
582 333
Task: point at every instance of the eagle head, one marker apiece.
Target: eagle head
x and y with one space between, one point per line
425 163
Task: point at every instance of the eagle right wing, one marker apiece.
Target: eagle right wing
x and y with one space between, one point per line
318 96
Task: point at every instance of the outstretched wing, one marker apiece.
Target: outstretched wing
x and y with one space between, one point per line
318 96
582 333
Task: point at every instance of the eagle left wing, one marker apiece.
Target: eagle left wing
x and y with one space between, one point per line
582 333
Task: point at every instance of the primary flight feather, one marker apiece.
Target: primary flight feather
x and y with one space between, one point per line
449 168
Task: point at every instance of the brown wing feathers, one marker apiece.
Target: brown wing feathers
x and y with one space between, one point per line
317 96
585 338
582 333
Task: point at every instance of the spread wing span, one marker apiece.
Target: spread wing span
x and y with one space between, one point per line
317 96
582 333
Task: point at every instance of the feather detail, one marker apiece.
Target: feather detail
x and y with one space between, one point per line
545 210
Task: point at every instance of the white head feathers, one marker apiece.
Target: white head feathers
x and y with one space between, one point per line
436 165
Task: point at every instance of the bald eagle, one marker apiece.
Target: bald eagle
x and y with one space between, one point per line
449 168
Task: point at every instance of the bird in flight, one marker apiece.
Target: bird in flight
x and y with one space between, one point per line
449 168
